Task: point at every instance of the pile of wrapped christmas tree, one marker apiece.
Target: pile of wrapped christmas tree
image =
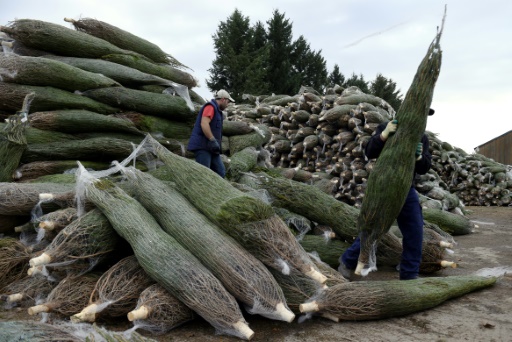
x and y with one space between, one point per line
103 214
327 134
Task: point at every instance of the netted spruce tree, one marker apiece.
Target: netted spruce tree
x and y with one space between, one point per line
165 260
54 38
158 311
68 295
124 40
244 276
34 331
39 71
13 143
250 221
368 300
391 178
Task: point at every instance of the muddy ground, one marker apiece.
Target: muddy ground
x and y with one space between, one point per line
485 315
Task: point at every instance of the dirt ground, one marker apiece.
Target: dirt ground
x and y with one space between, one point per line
485 315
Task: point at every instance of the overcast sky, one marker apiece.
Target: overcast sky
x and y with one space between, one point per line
473 95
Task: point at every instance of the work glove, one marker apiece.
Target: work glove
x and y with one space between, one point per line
419 151
390 129
213 146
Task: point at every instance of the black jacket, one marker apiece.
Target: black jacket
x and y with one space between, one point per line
375 146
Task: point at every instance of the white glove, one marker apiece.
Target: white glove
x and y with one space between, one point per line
389 130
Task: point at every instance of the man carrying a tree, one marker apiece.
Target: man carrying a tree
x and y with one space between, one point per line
410 218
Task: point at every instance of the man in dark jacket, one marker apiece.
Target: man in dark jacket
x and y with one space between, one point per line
410 218
206 138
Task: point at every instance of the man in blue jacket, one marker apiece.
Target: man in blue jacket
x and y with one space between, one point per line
410 218
206 138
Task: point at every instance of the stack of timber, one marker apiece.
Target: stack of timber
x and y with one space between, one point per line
97 94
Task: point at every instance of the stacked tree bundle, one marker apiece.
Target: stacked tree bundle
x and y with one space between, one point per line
250 221
81 245
474 178
133 224
165 260
71 292
91 101
240 272
324 135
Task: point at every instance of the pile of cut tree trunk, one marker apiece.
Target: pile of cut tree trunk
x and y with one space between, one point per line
96 187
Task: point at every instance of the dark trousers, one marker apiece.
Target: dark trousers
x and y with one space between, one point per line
410 222
211 161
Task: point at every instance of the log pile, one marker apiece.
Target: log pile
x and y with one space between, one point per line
101 94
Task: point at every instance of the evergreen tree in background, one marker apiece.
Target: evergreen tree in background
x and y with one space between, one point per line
386 90
299 64
335 77
279 39
257 60
259 36
357 81
256 81
317 71
233 47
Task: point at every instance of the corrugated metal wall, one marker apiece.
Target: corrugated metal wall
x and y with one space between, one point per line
499 149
